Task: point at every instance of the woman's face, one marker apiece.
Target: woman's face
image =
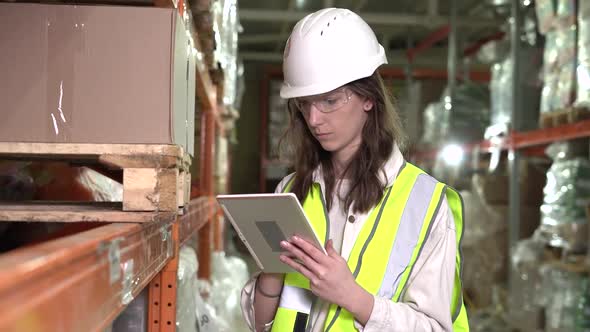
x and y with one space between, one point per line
336 119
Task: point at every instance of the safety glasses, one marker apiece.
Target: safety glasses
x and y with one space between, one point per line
326 103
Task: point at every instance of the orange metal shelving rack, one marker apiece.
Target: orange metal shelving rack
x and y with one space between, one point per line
82 282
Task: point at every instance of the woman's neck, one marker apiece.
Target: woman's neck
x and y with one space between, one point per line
340 162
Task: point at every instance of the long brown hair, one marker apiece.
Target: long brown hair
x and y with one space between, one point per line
382 130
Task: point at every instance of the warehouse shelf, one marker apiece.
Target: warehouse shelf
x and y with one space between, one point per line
80 282
531 142
109 265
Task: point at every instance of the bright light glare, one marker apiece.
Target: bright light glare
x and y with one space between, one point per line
452 154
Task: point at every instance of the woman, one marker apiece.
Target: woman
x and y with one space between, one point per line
391 231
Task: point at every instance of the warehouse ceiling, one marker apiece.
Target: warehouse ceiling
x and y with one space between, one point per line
399 24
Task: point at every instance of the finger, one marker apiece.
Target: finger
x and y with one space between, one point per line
310 249
297 267
309 262
330 248
288 254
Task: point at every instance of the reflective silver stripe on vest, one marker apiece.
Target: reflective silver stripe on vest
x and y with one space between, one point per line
408 233
295 298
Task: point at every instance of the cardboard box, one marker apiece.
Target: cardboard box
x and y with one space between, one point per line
95 74
494 188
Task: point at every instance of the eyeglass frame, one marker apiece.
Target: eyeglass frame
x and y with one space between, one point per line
347 92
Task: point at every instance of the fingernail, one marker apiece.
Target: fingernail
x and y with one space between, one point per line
284 244
295 238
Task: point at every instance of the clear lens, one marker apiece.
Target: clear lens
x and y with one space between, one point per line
325 104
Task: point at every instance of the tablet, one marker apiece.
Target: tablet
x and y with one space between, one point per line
262 221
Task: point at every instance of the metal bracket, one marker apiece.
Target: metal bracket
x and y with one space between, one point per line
114 258
127 289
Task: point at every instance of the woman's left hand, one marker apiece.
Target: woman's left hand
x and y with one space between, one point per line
329 275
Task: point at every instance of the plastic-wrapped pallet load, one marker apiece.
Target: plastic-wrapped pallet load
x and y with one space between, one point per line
229 275
226 27
193 313
583 70
497 54
431 123
545 14
503 81
550 74
562 292
501 92
566 195
486 243
187 293
525 303
559 59
470 113
458 119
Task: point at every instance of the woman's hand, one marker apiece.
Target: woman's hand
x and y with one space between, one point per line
329 276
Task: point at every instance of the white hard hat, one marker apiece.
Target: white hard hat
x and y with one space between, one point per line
327 49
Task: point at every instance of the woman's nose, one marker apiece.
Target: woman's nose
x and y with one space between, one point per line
315 116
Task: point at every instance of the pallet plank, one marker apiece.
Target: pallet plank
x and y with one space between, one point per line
88 149
140 161
76 212
567 115
150 189
153 174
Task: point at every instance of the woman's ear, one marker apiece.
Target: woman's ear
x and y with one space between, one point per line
367 105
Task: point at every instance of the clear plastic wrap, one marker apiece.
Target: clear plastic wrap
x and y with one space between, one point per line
561 293
486 243
545 14
583 69
229 274
566 11
566 196
466 119
494 51
226 28
549 94
567 192
501 92
188 291
502 83
560 69
208 320
525 307
566 64
431 123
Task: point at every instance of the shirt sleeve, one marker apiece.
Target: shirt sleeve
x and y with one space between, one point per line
426 303
247 304
247 297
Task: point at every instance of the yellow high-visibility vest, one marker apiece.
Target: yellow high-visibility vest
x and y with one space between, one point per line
384 253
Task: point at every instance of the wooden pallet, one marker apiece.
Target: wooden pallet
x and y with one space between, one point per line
78 212
156 178
565 116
